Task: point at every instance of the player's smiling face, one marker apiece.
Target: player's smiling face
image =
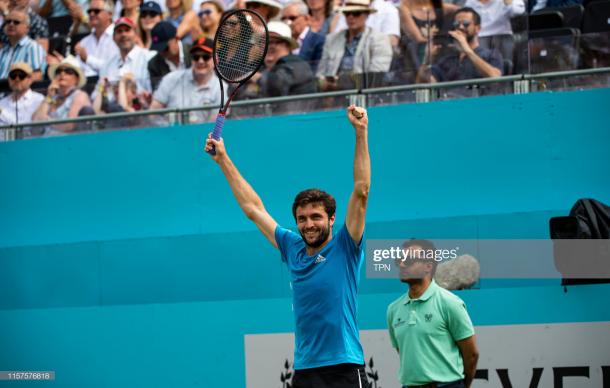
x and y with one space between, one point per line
314 224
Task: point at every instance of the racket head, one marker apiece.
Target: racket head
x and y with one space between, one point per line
240 45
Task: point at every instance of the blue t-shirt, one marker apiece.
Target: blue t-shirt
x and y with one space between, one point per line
325 288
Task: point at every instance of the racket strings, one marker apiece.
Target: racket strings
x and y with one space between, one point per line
240 46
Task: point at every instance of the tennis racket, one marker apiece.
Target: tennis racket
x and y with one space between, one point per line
240 46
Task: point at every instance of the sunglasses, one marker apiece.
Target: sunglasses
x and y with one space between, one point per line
206 12
17 74
94 11
291 18
148 14
197 57
13 22
65 70
353 13
465 23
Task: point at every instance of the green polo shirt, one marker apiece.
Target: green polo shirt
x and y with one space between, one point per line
425 332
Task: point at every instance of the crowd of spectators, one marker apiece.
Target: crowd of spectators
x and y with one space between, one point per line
137 55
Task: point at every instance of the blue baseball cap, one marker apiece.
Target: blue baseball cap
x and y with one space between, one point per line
151 6
162 33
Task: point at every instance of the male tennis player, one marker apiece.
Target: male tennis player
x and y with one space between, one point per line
430 327
324 269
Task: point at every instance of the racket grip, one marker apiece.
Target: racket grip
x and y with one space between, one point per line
220 122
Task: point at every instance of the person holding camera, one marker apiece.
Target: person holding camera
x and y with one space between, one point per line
460 56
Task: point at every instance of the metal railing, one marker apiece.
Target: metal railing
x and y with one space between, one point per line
423 93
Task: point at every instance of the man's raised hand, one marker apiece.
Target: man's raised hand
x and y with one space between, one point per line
358 117
218 145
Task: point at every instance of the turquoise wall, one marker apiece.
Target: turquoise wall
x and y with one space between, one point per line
125 251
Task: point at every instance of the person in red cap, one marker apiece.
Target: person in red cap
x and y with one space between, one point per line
130 59
192 87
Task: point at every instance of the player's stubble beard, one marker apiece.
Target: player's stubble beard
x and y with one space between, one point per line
324 233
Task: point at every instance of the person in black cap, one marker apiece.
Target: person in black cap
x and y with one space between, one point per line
194 87
170 52
150 15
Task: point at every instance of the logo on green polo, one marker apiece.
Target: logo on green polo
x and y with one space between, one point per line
428 317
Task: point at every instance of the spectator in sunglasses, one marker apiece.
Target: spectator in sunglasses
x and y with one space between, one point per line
150 15
21 48
39 28
94 49
192 87
20 104
296 15
209 16
65 99
496 30
468 60
356 50
171 53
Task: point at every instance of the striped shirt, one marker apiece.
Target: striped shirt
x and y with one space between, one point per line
26 50
39 28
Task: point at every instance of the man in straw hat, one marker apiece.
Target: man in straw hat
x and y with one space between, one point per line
386 20
358 49
19 106
285 74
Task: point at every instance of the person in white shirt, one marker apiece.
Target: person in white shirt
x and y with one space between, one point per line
386 20
130 58
18 106
496 31
94 49
192 87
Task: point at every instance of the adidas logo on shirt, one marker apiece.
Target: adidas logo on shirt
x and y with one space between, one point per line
320 259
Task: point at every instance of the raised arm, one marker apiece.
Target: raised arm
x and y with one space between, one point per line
247 198
356 209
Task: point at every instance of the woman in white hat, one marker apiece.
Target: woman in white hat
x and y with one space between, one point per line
64 98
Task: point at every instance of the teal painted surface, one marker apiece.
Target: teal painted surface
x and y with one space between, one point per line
125 251
202 344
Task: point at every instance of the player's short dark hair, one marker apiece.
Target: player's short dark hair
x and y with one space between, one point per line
427 246
315 196
475 15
